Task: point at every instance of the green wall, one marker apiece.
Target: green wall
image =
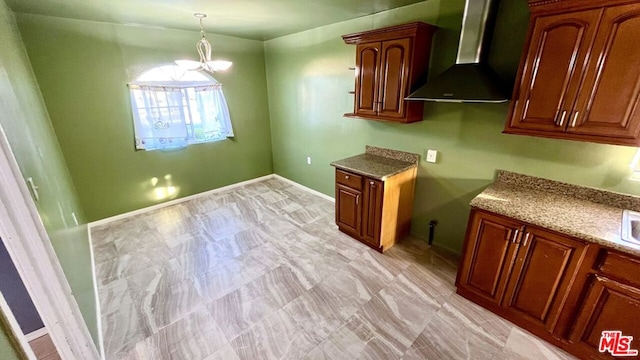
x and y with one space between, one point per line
7 349
83 67
308 81
32 139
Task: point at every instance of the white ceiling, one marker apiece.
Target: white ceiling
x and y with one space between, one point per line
252 19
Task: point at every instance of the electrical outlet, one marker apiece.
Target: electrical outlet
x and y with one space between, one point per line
308 160
432 156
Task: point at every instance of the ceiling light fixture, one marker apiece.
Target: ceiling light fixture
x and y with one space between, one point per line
204 50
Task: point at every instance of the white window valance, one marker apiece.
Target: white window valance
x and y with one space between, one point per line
168 115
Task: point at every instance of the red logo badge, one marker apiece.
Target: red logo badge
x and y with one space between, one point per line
616 344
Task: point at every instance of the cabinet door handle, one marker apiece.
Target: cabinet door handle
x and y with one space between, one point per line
515 236
372 183
564 115
357 199
575 119
526 239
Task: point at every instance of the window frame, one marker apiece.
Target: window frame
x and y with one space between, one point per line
190 102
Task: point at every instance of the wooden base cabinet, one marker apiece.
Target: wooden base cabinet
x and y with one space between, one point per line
612 304
376 213
561 289
521 270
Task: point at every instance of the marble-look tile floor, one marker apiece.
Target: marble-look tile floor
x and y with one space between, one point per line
261 272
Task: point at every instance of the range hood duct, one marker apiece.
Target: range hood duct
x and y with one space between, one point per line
470 79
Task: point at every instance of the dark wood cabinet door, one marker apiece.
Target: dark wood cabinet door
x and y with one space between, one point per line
552 70
608 103
367 78
546 266
372 211
609 305
488 256
348 209
394 77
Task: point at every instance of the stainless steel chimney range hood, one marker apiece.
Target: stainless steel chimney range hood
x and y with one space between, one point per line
470 79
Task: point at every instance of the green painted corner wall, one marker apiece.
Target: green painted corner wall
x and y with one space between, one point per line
26 124
83 68
7 350
308 81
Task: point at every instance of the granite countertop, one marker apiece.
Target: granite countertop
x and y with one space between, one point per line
378 163
585 213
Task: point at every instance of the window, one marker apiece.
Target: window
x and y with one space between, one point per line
173 107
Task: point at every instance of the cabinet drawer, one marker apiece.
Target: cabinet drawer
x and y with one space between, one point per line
349 179
620 266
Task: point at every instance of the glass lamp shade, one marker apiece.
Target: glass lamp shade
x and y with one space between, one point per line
219 65
213 65
189 64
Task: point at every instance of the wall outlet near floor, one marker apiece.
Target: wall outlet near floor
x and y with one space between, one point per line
308 160
432 156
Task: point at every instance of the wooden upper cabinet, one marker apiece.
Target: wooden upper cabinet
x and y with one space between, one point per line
608 104
390 63
579 77
367 80
552 72
394 77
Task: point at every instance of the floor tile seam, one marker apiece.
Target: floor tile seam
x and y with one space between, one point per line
478 331
379 335
379 331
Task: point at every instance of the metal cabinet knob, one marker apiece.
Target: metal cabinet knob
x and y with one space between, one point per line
346 177
372 183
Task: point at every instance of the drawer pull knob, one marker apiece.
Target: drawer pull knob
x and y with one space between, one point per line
372 183
346 177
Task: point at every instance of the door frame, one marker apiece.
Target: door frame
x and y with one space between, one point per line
29 246
10 326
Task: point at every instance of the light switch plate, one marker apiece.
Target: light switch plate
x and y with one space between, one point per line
432 156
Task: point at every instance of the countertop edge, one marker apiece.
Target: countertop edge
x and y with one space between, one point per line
558 229
373 176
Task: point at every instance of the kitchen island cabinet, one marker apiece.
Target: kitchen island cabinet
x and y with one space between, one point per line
374 196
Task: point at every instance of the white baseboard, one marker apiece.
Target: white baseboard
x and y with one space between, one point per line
176 201
36 334
314 192
97 294
206 193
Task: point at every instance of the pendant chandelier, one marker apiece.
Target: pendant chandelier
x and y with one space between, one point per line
204 50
